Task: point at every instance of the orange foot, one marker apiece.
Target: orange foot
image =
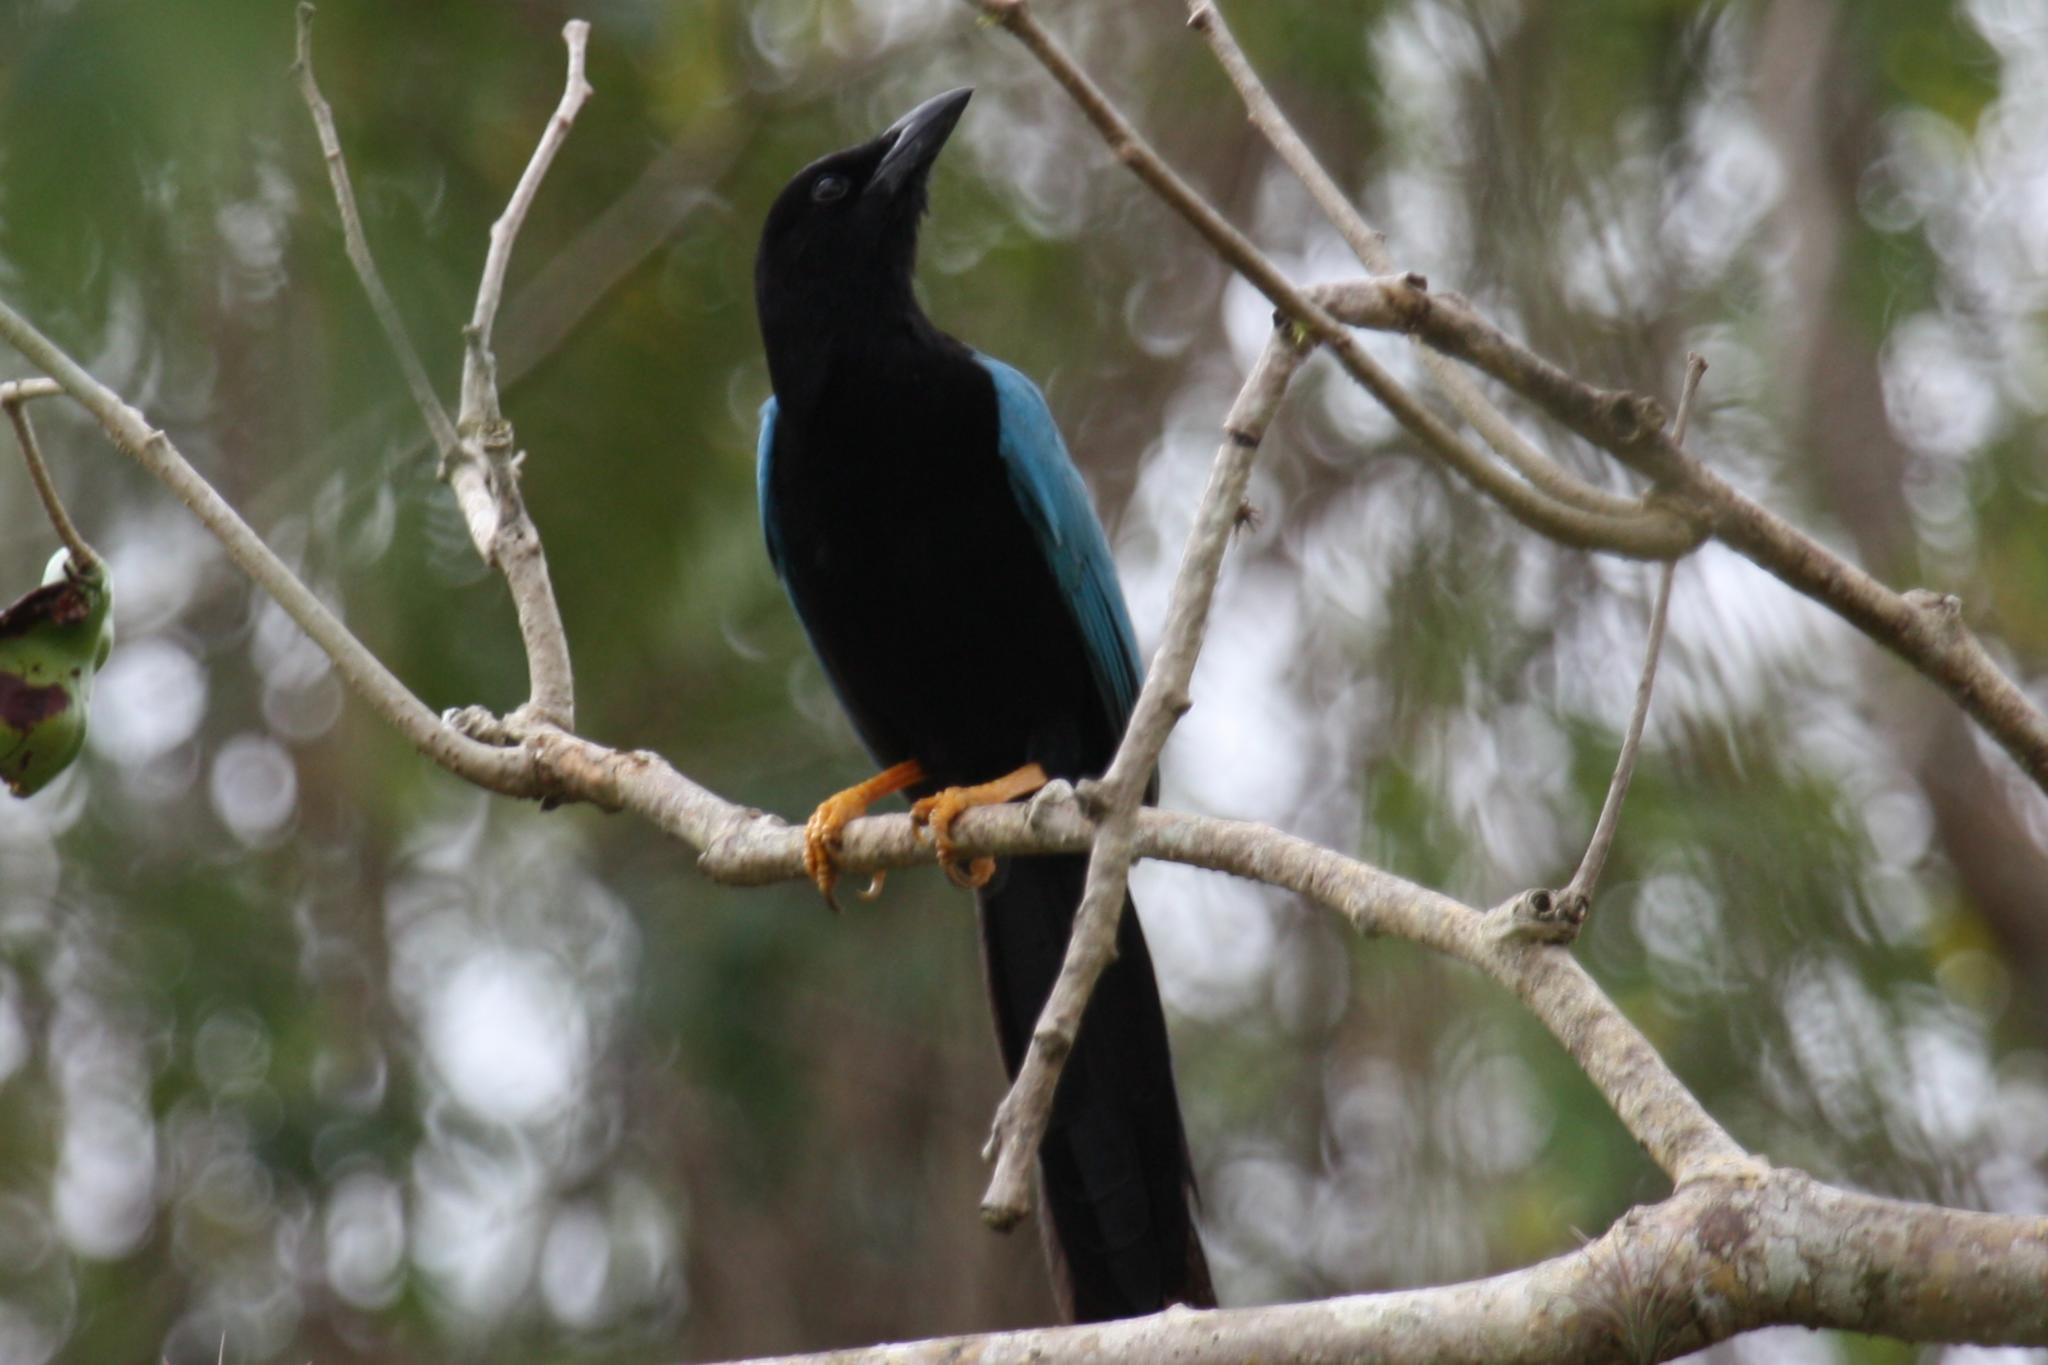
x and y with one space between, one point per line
939 810
823 830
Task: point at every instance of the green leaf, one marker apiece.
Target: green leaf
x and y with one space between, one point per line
52 641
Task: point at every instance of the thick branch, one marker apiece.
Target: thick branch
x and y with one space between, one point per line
1717 1258
1021 1119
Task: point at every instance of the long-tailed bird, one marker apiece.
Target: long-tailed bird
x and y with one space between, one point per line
939 547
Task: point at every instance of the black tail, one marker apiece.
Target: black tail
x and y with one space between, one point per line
1116 1179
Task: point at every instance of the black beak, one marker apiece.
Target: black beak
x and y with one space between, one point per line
918 136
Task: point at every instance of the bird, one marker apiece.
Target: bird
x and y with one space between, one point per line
946 564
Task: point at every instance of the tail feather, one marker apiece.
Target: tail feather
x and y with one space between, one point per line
1117 1182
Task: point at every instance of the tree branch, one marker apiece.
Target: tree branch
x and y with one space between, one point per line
1571 905
1923 628
1651 531
1717 1258
358 245
1370 246
1021 1118
477 456
500 770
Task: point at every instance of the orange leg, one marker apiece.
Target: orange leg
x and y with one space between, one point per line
939 810
822 831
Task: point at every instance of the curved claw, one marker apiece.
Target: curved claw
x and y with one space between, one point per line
825 829
938 811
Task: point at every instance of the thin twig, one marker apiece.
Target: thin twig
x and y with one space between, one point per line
1020 1120
1369 244
476 452
485 470
358 245
14 397
1576 899
1648 532
479 366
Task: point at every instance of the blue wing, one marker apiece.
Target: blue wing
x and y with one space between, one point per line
764 453
1055 503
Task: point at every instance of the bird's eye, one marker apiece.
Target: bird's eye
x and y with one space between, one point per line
828 188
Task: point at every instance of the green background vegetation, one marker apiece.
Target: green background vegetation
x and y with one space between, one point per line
309 1050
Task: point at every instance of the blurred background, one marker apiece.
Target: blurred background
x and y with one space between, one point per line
311 1053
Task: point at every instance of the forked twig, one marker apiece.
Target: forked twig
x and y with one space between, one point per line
479 365
477 456
1369 244
1645 532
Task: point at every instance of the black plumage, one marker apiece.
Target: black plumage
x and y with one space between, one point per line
941 553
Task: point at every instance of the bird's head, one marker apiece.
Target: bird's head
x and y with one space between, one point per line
841 239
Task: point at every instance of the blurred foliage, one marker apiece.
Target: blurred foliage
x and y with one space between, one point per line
308 1052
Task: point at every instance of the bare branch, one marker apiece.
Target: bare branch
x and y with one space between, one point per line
484 470
1370 246
1925 629
358 245
1718 1258
501 770
1569 908
1020 1120
14 397
479 366
477 458
1649 532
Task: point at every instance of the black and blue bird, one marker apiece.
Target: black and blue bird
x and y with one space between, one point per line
942 555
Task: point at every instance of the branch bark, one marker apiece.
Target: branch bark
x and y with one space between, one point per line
1690 500
1719 1257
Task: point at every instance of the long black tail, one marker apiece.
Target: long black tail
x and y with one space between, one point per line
1116 1179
